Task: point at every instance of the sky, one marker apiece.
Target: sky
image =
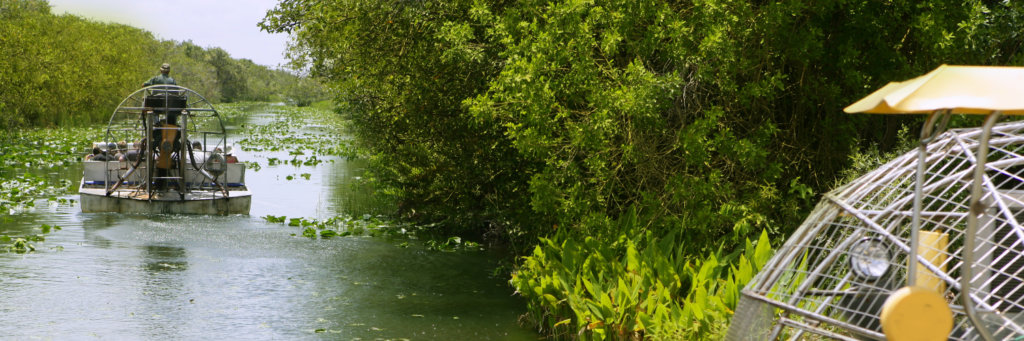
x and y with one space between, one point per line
228 24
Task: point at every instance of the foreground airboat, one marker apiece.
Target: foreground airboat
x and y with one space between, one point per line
167 152
847 272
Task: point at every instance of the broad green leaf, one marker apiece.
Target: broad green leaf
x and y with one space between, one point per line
632 261
763 251
643 321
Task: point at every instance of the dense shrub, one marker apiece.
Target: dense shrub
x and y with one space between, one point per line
58 70
716 119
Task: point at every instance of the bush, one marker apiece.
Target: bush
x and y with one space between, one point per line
634 286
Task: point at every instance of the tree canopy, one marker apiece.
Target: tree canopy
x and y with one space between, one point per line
719 117
66 70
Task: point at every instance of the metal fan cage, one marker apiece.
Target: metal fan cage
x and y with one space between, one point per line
810 288
134 121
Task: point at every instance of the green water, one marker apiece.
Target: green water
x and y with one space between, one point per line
170 277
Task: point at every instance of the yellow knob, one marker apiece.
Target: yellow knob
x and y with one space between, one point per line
916 314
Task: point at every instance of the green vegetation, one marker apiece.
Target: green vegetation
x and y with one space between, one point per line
634 286
21 244
25 152
554 123
300 131
348 226
64 70
45 148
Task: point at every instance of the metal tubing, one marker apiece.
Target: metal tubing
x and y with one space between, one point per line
915 222
812 276
806 327
791 309
807 231
149 154
976 210
145 108
203 172
895 241
927 135
777 330
126 174
181 156
821 308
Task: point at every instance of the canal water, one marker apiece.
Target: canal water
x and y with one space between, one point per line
179 277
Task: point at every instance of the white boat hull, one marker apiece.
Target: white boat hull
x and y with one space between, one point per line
96 201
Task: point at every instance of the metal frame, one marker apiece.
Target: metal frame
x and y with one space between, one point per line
132 121
948 188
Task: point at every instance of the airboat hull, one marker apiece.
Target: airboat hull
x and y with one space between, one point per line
163 166
96 201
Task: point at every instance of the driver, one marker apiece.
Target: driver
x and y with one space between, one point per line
163 78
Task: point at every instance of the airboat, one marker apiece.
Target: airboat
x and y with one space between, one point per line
165 150
929 246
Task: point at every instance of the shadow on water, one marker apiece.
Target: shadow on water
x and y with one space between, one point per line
139 277
164 258
92 224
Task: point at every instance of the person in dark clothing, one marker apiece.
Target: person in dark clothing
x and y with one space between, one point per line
165 97
133 155
97 155
163 78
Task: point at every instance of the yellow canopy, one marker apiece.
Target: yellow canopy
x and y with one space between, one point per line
965 89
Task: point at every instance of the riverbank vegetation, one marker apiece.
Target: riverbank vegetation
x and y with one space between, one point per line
627 134
65 70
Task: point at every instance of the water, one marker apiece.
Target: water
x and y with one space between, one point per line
146 277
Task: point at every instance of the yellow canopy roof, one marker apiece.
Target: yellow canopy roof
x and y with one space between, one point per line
965 89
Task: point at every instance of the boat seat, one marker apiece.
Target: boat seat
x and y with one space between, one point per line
94 170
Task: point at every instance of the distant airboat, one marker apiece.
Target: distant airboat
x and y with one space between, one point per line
152 166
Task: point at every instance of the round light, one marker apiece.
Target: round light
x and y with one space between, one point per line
869 258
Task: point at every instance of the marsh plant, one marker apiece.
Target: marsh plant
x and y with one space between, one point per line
24 244
373 226
637 287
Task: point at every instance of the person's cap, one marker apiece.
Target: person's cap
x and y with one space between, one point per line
165 67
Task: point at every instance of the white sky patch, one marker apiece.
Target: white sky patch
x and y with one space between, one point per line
228 24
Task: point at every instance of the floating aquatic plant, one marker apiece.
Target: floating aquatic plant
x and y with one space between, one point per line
28 151
45 148
21 191
291 128
22 244
274 219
